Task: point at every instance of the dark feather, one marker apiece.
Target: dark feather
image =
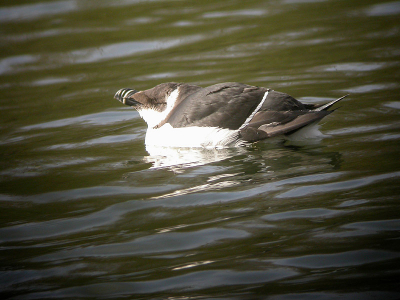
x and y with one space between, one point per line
225 105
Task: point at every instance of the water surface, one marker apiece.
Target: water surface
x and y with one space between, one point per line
87 212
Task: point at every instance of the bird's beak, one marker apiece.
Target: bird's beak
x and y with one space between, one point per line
123 96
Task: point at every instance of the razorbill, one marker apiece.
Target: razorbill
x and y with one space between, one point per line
221 115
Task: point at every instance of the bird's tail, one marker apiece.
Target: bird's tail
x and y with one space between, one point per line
328 105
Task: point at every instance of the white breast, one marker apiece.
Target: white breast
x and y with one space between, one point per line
192 137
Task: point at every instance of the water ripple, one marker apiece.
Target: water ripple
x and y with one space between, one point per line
119 50
188 282
343 259
384 9
303 214
368 88
17 63
57 228
336 186
87 213
364 228
353 67
101 118
111 139
36 11
151 244
236 13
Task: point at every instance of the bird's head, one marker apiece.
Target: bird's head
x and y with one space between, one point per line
153 104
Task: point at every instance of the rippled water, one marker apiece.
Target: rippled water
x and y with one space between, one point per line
87 212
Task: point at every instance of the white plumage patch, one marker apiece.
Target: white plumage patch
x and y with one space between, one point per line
249 118
191 137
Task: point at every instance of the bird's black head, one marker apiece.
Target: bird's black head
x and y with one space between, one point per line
153 104
155 98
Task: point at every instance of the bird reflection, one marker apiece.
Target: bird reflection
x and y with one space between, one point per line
167 157
272 153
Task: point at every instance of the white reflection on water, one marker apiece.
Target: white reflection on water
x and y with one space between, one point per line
394 104
354 67
111 139
50 80
168 75
102 118
125 2
370 88
236 13
142 20
301 1
384 9
359 129
124 49
15 38
94 54
200 188
194 264
40 10
36 11
15 63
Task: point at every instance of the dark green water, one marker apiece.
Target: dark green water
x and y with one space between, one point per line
87 213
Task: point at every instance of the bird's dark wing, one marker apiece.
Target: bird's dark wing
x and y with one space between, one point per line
224 105
277 101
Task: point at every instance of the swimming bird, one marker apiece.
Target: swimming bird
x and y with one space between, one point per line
221 115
